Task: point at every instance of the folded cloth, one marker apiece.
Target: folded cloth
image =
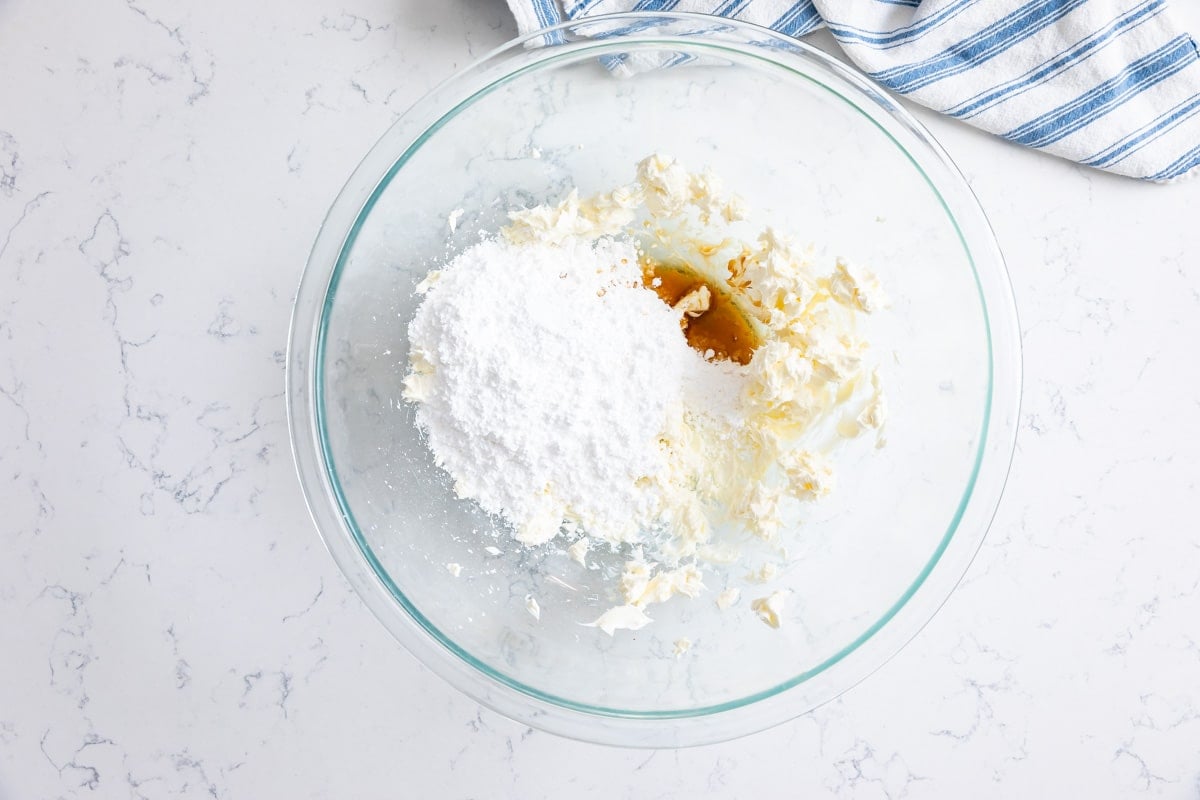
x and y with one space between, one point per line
1113 84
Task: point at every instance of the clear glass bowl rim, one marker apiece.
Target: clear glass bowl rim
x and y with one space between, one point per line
343 538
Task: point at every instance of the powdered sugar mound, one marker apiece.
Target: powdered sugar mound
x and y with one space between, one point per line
545 374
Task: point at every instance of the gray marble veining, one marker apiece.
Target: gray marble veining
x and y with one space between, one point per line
170 625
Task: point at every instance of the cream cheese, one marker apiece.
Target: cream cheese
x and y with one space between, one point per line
856 287
764 574
578 551
604 214
770 608
628 617
728 597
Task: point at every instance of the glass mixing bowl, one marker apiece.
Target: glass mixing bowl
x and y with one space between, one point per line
814 150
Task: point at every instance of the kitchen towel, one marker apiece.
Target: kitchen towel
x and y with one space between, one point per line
1108 83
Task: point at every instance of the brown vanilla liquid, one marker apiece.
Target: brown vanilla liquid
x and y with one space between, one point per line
723 328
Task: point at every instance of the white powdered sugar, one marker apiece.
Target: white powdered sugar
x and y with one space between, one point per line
557 390
544 375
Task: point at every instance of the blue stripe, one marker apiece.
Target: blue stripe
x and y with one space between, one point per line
613 62
1048 69
884 41
806 25
1120 150
730 8
1188 161
798 20
788 16
655 5
982 46
909 3
579 7
1100 100
547 14
649 22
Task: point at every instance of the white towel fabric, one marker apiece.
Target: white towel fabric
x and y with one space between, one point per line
1113 84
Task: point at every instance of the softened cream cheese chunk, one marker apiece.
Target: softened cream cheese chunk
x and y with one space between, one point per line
769 609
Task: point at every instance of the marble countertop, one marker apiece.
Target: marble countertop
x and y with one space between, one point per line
170 624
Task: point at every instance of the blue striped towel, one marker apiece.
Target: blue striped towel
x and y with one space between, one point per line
1112 84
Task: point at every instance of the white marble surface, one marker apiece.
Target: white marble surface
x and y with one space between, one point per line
170 625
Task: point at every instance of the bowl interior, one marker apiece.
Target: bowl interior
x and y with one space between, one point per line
813 156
